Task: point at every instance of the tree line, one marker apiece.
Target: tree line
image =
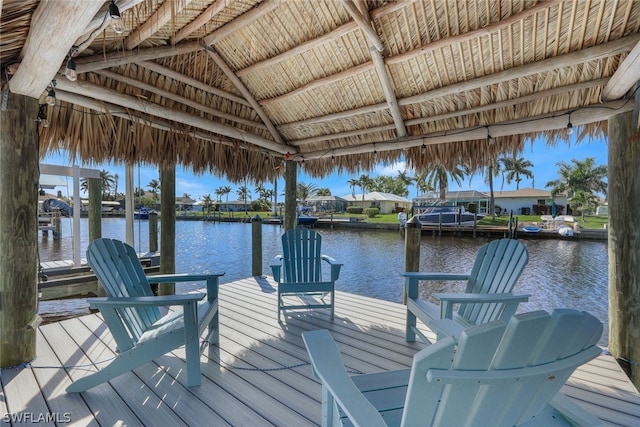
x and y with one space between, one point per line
580 181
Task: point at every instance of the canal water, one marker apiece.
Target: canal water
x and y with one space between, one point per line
560 273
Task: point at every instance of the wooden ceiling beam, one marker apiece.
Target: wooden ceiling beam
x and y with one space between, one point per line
178 98
589 54
117 111
627 75
154 23
546 122
241 21
168 72
470 35
99 23
201 20
245 92
50 40
101 61
85 88
376 48
452 114
116 59
329 37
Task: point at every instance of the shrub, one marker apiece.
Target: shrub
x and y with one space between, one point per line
354 210
372 212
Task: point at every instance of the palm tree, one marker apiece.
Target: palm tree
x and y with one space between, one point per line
323 192
421 183
154 187
365 183
207 203
438 177
516 167
582 176
583 201
304 191
492 171
244 194
225 190
353 183
107 182
219 194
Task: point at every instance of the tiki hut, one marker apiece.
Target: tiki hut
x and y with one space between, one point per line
241 88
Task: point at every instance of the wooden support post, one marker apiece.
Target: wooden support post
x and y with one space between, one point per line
256 246
624 243
153 232
168 227
413 232
57 226
19 177
290 187
95 208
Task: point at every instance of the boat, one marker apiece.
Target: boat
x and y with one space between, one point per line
306 220
531 229
142 213
565 230
448 216
57 205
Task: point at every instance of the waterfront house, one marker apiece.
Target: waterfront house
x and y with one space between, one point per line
529 201
386 202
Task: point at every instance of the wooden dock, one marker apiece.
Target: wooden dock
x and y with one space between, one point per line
258 375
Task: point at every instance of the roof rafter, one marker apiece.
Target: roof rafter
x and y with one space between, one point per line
546 122
243 89
153 24
201 20
596 52
627 74
452 114
83 87
42 54
178 98
376 47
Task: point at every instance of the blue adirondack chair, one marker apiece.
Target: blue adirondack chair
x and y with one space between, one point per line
496 375
487 296
298 272
141 332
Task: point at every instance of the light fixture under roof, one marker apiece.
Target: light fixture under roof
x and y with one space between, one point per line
116 21
70 71
51 96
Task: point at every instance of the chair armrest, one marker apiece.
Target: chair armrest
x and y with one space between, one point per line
183 277
335 266
412 278
417 275
328 367
448 299
213 281
276 266
159 301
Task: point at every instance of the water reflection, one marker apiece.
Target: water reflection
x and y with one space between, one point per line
559 273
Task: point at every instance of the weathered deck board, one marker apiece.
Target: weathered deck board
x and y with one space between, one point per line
258 375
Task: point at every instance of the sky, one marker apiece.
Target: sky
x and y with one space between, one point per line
544 159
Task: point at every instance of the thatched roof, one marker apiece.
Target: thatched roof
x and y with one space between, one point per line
232 86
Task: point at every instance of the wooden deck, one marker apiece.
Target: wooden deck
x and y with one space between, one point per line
258 375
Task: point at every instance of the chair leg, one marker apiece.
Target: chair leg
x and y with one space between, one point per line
333 303
410 335
118 367
214 330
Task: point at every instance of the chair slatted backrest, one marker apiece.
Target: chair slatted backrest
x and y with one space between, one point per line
301 259
118 269
500 375
497 267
